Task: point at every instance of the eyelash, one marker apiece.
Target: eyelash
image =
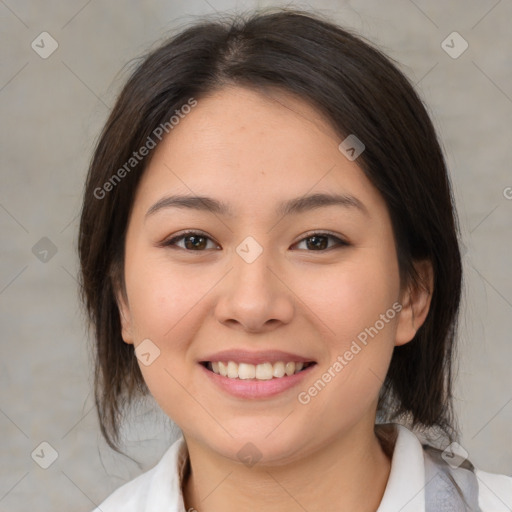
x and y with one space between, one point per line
171 243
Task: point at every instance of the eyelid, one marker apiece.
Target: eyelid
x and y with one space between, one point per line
309 234
171 242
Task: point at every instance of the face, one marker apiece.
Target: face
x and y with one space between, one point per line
259 287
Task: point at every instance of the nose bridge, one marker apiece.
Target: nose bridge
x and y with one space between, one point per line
253 294
252 266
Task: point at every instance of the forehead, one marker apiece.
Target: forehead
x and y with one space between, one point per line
249 121
251 147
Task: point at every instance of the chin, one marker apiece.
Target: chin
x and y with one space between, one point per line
276 449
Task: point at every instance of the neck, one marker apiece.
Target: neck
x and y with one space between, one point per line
350 472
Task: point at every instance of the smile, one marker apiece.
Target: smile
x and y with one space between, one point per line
263 371
256 381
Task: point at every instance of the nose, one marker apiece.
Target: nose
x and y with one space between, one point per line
254 296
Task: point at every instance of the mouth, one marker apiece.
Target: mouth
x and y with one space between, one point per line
246 374
257 372
261 381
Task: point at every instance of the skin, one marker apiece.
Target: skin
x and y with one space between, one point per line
253 150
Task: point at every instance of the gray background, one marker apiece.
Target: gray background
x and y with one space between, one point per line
52 111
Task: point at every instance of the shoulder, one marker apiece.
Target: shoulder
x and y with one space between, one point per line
452 474
158 488
495 491
425 478
131 496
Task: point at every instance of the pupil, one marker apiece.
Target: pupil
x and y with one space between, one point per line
197 242
194 244
316 238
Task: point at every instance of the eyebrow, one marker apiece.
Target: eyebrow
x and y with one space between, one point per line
290 207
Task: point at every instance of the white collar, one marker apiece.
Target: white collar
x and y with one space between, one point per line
160 488
405 488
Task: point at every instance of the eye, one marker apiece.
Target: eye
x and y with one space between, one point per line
320 241
195 241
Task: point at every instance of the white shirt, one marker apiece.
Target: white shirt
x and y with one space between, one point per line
159 489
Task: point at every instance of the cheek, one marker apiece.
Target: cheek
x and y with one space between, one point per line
161 295
351 296
356 306
163 305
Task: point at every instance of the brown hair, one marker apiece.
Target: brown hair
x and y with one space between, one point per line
361 92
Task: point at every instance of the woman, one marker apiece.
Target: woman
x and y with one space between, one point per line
268 246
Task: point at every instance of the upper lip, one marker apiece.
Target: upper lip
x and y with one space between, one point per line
250 357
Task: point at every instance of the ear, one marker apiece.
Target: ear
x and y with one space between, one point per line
415 301
125 317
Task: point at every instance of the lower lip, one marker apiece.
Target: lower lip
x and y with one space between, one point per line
255 389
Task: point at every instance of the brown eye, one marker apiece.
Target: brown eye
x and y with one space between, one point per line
193 241
320 241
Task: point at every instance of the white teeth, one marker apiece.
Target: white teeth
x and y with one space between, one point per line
279 369
263 371
223 370
232 370
289 369
246 371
